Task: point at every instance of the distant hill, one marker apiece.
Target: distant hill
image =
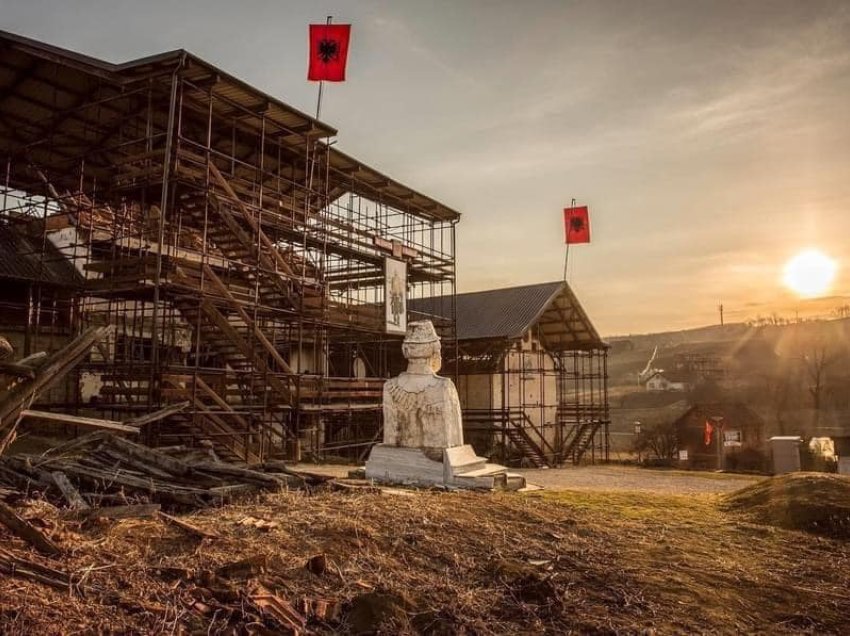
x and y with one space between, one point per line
746 347
797 375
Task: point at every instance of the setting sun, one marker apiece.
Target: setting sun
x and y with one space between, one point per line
809 273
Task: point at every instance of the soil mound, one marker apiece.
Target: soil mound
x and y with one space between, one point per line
812 502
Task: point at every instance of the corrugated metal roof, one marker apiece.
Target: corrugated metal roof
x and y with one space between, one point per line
508 313
22 259
733 414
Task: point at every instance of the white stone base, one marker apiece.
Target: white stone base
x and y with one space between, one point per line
460 468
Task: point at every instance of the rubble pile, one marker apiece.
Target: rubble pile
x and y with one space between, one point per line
101 469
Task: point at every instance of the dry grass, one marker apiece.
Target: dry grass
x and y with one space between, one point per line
814 502
445 563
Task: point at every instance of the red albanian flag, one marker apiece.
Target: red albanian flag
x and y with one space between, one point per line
328 52
709 429
576 225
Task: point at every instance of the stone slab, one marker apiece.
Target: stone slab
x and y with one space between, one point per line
461 459
496 481
487 469
400 465
460 468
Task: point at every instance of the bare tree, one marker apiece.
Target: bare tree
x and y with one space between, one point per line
842 311
816 363
657 439
779 388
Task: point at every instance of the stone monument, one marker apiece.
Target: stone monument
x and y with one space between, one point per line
423 429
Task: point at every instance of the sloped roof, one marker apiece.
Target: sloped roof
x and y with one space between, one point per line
45 86
733 414
22 260
671 376
506 314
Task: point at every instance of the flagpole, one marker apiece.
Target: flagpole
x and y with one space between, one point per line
567 251
321 83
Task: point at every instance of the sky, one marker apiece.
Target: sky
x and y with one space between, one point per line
710 140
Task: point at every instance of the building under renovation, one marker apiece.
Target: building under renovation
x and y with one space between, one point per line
532 374
255 277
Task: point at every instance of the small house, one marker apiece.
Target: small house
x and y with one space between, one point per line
666 381
720 436
531 373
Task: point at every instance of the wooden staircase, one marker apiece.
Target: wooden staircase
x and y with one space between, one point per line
212 417
524 444
231 334
516 425
580 439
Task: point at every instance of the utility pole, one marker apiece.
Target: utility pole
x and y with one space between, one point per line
720 307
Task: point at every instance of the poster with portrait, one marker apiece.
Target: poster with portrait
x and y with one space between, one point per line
395 295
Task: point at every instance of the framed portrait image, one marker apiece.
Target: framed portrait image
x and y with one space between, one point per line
395 296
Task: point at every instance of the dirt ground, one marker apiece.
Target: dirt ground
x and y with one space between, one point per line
548 562
633 479
607 478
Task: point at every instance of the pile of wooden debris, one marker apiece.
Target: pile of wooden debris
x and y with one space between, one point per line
87 483
101 469
23 381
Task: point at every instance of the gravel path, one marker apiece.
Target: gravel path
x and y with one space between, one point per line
610 478
630 478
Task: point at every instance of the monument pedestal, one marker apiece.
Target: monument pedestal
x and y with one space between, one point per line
423 429
459 468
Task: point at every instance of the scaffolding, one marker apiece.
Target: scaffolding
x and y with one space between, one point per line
239 255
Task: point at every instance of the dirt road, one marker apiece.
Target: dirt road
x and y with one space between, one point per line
607 478
630 478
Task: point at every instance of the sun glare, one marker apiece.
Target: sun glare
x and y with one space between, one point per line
809 273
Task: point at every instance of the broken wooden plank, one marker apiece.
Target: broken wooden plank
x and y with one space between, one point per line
134 511
188 527
243 474
157 415
272 606
119 479
77 420
115 457
161 460
54 368
26 531
71 494
13 565
89 439
321 609
277 465
229 490
342 486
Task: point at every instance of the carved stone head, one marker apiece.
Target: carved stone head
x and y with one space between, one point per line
421 343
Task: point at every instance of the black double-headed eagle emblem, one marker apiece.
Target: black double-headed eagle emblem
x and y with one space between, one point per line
328 50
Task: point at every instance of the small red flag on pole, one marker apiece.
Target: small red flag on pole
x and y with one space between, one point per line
576 225
709 429
328 52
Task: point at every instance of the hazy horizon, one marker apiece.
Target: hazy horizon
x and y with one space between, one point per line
710 140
